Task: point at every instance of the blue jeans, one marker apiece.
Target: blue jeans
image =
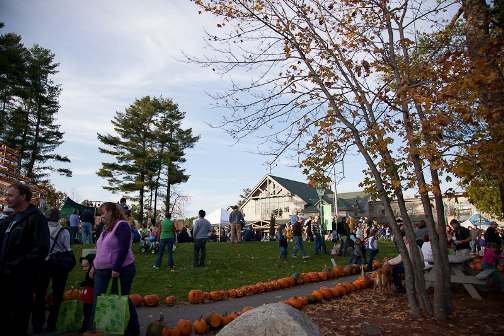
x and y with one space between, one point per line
167 242
283 252
298 244
318 243
344 245
73 232
496 277
87 233
102 278
199 246
372 255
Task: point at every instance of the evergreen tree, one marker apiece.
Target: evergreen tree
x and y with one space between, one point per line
148 149
29 103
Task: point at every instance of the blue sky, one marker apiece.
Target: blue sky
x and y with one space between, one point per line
113 52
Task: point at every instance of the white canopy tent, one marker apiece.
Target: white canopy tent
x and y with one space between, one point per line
219 217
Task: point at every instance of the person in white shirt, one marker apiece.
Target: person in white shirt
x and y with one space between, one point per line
398 267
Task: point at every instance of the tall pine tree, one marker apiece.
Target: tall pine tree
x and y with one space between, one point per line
148 149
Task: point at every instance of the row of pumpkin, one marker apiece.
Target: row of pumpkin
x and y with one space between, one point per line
196 296
215 321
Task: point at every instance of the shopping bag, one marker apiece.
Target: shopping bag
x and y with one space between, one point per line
69 316
112 311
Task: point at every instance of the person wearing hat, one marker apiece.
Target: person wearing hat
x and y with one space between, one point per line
235 221
24 244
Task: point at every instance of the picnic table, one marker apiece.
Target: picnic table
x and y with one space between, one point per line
458 276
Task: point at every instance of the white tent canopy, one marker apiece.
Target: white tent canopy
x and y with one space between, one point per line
219 217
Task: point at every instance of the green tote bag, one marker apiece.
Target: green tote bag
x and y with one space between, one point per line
112 311
69 316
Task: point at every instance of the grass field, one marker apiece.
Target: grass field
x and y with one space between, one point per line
227 266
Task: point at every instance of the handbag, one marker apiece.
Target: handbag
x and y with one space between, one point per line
112 311
63 260
69 316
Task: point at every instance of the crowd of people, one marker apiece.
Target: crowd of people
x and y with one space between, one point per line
29 238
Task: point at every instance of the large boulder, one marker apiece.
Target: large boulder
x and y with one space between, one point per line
274 319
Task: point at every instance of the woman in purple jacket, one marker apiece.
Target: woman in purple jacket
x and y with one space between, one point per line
114 259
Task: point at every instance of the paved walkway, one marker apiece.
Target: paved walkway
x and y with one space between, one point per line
193 311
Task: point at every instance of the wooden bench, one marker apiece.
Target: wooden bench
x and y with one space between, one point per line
483 275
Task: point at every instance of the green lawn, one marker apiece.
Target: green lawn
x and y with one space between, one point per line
228 266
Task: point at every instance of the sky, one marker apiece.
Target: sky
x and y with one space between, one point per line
115 51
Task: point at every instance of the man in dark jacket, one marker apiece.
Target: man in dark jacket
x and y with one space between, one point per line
24 244
492 236
235 221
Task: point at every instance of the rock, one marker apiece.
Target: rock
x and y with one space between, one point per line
274 319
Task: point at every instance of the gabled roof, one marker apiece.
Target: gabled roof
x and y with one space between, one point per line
351 201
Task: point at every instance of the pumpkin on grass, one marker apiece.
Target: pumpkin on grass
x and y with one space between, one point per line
170 300
136 299
195 296
151 300
71 294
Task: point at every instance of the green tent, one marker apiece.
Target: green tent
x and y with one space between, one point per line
70 205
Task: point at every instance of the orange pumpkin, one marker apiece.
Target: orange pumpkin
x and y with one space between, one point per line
195 296
151 300
337 292
170 300
200 327
171 331
232 293
213 320
136 299
215 295
206 296
246 309
314 276
71 294
295 302
327 293
235 315
226 319
323 276
318 294
185 327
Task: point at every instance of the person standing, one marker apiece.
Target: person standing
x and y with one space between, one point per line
201 228
308 229
297 232
24 244
343 232
282 244
123 205
74 225
166 238
235 221
492 236
462 237
114 259
372 248
475 233
317 235
60 242
87 219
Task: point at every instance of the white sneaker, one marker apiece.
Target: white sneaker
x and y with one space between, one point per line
306 257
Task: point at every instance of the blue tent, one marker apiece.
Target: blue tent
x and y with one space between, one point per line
479 220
